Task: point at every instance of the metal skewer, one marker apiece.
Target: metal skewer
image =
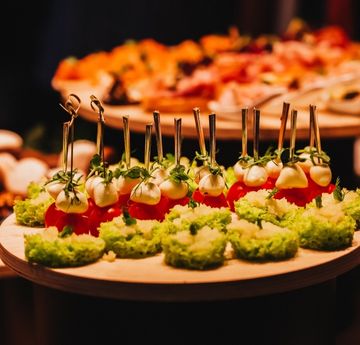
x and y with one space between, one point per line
147 151
293 134
212 131
65 144
200 131
177 139
256 133
126 141
284 117
312 109
244 133
158 136
317 133
71 106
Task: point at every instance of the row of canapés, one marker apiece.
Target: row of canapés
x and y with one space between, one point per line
171 203
233 70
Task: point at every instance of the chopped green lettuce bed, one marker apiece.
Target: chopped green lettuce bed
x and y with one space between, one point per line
137 240
31 211
350 203
325 228
183 217
270 242
201 250
48 249
256 206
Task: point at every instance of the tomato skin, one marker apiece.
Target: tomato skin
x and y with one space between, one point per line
98 215
172 202
212 201
123 200
297 196
78 221
143 211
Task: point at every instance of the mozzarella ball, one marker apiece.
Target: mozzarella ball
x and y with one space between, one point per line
146 193
321 175
256 176
174 190
71 203
212 185
291 176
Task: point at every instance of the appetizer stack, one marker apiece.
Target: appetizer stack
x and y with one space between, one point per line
197 212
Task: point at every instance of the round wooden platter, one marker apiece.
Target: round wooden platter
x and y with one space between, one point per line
5 271
332 125
151 279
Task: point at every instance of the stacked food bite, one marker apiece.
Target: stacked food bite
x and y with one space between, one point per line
194 210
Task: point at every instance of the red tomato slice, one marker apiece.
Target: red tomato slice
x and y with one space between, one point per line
143 211
79 222
172 202
212 201
123 200
98 215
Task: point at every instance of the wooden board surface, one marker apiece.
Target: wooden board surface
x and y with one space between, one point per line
332 125
5 271
151 280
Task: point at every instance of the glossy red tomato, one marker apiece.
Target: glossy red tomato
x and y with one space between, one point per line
98 215
212 201
123 200
297 196
144 211
183 201
79 222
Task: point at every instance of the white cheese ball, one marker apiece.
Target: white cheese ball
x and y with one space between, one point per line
291 176
105 194
146 193
212 185
256 176
71 203
174 190
239 171
321 175
273 168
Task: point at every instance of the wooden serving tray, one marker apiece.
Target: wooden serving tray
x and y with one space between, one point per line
151 279
332 125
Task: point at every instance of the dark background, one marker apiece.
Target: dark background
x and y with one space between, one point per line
41 33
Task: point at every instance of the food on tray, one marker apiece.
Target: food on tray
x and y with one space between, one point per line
52 248
131 238
219 72
183 217
251 172
281 200
210 177
262 205
345 99
195 248
324 228
31 210
349 200
262 241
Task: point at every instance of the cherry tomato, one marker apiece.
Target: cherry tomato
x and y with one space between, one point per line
184 201
123 200
297 196
98 215
212 201
79 222
144 211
